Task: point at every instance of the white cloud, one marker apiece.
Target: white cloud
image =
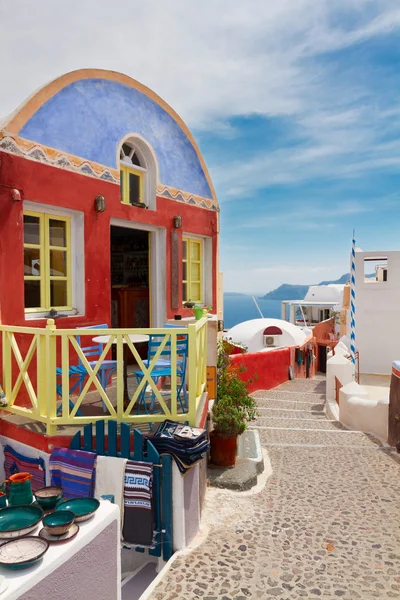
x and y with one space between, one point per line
217 59
309 217
210 60
264 279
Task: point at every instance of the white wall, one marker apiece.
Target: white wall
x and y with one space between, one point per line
325 293
377 315
359 412
340 367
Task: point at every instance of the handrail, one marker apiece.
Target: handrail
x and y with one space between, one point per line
46 393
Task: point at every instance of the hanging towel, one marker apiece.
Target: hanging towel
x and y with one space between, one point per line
187 445
110 473
138 525
15 463
73 470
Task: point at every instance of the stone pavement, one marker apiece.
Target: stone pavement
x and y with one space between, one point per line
326 525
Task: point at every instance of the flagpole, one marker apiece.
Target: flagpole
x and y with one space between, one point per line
353 301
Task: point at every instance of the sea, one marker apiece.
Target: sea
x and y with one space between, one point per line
240 307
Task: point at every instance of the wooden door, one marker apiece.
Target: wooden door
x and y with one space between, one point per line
394 410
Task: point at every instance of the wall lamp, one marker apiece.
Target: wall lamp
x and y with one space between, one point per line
15 195
177 222
100 204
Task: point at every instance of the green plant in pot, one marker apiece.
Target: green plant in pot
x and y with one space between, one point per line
233 409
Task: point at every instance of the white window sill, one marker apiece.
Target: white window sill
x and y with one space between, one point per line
45 315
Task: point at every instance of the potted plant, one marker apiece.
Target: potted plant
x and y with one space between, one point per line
232 410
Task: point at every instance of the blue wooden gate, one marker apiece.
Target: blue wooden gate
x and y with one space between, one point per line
107 445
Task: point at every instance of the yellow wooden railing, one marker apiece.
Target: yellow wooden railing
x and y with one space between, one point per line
34 389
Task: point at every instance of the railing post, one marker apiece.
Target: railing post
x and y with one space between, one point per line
41 370
50 376
192 374
7 380
205 351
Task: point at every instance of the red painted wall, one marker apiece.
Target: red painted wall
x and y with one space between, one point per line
272 368
53 186
57 187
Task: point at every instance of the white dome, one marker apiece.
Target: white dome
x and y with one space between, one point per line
250 334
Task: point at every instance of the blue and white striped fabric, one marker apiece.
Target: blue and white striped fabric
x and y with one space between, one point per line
353 301
138 524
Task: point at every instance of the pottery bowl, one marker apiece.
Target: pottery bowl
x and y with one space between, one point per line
58 523
47 497
16 521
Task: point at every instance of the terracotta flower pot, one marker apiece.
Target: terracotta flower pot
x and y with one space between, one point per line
223 450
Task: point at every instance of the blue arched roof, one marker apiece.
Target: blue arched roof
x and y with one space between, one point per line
89 117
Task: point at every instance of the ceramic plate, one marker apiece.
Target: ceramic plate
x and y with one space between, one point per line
65 537
22 553
19 520
83 508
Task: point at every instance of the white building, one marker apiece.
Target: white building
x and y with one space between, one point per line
317 306
377 314
264 334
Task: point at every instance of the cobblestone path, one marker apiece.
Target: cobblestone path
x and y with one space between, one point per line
326 525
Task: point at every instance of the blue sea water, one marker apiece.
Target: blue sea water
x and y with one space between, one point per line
242 308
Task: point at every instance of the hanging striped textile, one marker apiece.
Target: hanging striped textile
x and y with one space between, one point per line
14 462
353 301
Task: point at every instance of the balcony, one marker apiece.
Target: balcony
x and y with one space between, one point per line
37 381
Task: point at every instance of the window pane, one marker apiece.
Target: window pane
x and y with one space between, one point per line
195 251
184 271
58 233
195 292
184 292
32 294
32 261
126 149
31 230
58 293
195 271
134 188
58 263
184 249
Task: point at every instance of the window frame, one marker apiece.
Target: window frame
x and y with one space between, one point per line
45 249
125 170
77 257
193 240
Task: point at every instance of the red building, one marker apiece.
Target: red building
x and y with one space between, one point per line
107 210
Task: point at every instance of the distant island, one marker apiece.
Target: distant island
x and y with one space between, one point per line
235 294
286 291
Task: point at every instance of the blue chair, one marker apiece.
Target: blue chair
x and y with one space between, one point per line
163 368
79 373
107 368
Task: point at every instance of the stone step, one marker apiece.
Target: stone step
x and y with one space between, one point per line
288 395
276 437
304 385
273 422
318 415
289 405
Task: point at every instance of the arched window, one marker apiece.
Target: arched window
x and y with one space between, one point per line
273 330
138 173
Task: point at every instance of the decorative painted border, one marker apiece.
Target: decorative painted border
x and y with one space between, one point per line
27 109
62 160
56 158
174 194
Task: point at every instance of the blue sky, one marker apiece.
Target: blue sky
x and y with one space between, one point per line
295 107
